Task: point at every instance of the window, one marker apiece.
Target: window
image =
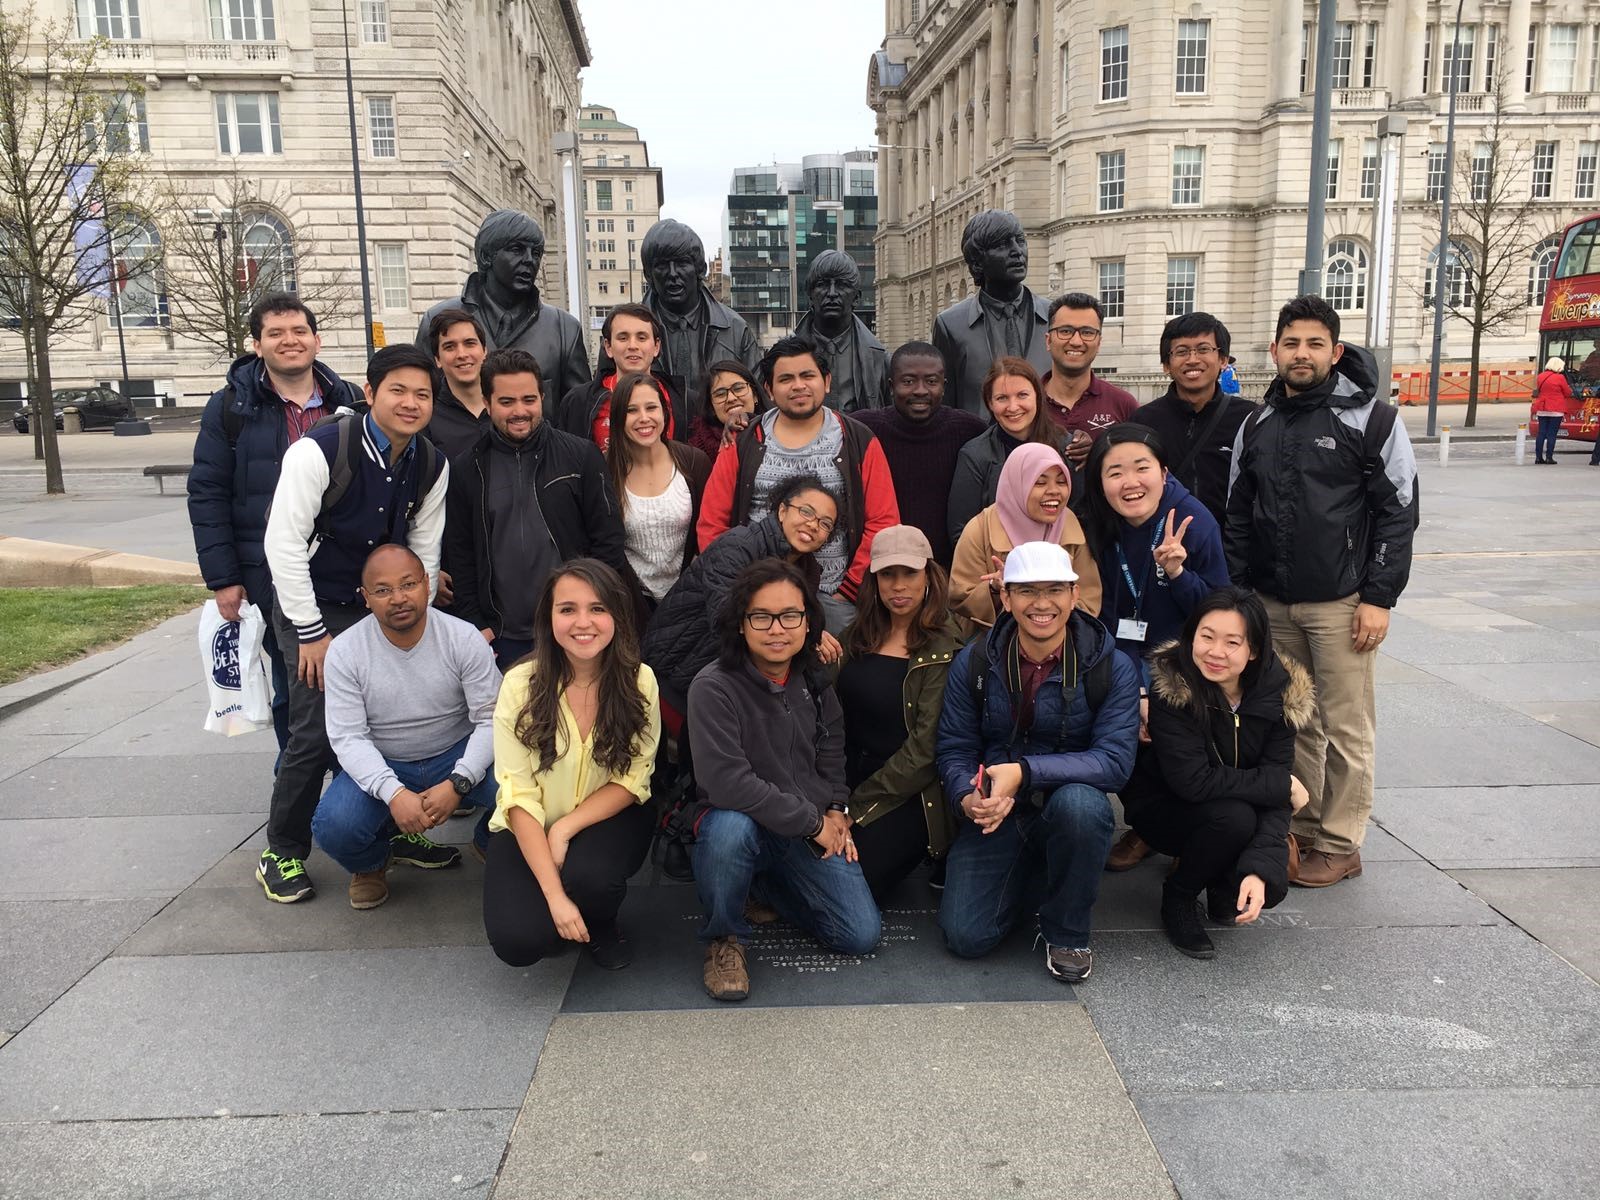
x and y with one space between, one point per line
247 123
600 161
628 204
381 139
1482 170
1065 55
266 255
1457 277
374 21
602 195
603 288
114 19
1584 179
1344 274
1561 59
630 225
1459 64
1369 169
1544 170
1427 59
1188 168
127 130
1194 39
1112 180
627 185
1181 276
1335 156
139 277
1540 264
1369 56
242 21
1344 44
1113 287
1435 173
1533 59
393 283
1491 55
1305 56
1114 63
1594 60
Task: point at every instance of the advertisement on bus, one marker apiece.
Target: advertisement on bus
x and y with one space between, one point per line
1569 329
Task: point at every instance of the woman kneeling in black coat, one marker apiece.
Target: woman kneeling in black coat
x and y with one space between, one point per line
1213 785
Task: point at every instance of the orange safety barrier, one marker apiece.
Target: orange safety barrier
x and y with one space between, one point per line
1495 386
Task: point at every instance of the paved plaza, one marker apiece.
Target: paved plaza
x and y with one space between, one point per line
1430 1029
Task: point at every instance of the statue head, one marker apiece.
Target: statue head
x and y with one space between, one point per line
508 250
996 251
833 285
674 260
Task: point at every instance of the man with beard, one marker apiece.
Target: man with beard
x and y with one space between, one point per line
411 695
860 360
1075 398
503 293
1321 516
524 499
1003 318
699 329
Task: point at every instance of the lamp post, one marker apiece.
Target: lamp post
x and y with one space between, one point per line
1385 238
355 169
1442 267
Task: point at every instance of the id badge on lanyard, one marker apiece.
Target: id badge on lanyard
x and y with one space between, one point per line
1133 629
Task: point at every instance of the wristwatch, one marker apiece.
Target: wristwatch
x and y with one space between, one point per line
461 783
837 807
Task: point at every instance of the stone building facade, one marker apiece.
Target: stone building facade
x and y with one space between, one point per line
1159 155
622 199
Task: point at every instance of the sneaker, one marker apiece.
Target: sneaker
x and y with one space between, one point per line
1180 917
415 850
368 889
1069 966
283 879
609 948
725 975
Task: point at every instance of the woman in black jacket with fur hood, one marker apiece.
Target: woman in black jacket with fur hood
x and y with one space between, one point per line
1213 785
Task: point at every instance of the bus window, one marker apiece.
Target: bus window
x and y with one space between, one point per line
1581 254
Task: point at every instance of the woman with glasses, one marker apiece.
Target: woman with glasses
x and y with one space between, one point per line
1030 505
1011 393
575 733
731 397
767 735
891 684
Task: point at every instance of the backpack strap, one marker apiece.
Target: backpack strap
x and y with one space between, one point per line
341 469
232 422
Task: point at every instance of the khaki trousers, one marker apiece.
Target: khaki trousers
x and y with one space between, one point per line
1333 758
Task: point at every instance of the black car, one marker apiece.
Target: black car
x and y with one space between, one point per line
100 408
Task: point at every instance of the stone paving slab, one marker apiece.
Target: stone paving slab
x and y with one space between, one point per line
59 715
936 1101
1511 682
175 726
398 1156
1371 1008
20 753
1459 827
1411 707
1484 757
375 1030
61 858
1504 1144
146 786
1427 646
46 946
1559 906
1580 718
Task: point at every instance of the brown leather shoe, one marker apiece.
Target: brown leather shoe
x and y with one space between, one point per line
1319 869
368 889
758 913
725 975
1129 852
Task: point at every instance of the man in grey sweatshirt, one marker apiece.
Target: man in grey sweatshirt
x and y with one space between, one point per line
410 710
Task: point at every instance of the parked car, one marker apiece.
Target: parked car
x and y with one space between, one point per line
100 408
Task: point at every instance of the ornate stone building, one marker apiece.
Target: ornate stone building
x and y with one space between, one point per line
1159 155
458 104
623 199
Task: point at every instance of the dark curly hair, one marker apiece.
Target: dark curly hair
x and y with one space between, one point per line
732 650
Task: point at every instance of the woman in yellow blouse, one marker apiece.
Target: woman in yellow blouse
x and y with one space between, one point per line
575 733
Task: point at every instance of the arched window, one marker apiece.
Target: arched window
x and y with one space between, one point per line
138 276
266 255
1458 277
1540 264
1344 274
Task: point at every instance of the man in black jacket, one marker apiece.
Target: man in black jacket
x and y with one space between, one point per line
460 412
630 340
1320 520
1196 419
523 500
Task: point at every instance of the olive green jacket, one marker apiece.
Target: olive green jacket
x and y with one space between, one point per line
910 772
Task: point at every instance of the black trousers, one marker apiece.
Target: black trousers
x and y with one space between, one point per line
1206 838
600 861
892 846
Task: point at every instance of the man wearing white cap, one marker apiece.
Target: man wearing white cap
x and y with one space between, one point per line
1040 721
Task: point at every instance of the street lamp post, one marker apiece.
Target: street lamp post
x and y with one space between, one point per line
355 169
1385 238
1442 267
1321 119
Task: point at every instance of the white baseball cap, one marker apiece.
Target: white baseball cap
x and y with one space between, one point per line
1039 562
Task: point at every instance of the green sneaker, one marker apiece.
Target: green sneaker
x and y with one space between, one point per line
283 879
414 849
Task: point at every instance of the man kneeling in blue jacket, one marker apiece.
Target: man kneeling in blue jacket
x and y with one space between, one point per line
1040 721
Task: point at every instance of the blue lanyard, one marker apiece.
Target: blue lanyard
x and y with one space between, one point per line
1138 591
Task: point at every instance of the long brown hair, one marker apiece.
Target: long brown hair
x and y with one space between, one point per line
871 626
1043 430
619 458
621 717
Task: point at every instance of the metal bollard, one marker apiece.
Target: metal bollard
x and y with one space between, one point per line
1444 445
1522 443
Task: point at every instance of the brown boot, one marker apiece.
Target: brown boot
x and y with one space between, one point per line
725 975
368 889
758 913
1129 852
1319 869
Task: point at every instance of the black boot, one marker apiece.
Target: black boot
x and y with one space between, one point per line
1221 904
1180 916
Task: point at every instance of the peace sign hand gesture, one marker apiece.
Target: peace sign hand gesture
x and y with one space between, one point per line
1170 553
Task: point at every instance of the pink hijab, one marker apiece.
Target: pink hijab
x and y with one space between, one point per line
1022 470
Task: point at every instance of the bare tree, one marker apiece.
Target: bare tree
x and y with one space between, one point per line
68 184
227 246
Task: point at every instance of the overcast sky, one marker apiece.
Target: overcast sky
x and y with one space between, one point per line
717 85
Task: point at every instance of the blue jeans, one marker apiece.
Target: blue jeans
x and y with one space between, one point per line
1047 859
828 898
354 828
1544 442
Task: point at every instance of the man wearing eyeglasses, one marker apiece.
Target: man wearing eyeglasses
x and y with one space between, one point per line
411 695
1077 399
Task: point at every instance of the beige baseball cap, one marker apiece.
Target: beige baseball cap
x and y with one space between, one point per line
900 546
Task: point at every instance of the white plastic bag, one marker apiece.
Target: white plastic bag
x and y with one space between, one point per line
235 671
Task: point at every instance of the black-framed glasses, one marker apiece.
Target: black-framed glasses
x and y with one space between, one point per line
811 516
384 591
734 391
789 618
1179 353
1065 332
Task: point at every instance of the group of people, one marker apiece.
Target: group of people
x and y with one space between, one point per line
903 634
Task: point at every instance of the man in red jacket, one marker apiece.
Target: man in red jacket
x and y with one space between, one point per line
800 436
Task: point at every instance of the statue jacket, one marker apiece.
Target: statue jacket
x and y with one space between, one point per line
961 333
869 377
725 336
553 337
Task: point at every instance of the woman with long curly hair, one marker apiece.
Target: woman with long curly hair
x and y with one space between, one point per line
575 733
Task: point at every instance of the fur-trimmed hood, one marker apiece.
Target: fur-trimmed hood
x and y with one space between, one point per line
1283 688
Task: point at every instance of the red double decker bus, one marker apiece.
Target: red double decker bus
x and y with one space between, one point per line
1570 326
